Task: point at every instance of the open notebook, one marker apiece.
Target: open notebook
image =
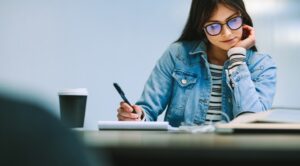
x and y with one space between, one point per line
130 125
273 121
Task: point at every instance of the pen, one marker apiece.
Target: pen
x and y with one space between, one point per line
122 94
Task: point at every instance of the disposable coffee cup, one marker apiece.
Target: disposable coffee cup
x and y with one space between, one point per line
72 104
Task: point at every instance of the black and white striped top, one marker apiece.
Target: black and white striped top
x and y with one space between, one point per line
236 58
215 103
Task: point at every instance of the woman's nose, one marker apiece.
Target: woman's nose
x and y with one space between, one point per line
226 31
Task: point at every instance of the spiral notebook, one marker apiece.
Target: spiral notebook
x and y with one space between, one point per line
131 125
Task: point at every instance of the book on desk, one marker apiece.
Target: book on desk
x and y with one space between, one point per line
273 121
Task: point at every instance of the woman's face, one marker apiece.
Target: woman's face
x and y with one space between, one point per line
229 33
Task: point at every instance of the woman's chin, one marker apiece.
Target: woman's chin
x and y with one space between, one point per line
226 47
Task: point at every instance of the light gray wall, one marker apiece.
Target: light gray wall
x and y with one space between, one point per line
277 24
47 45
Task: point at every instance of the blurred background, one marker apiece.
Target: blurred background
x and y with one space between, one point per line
48 45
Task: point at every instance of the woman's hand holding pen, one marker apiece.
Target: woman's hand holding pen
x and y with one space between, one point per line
248 39
125 112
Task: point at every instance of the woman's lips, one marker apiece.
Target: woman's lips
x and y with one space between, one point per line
229 41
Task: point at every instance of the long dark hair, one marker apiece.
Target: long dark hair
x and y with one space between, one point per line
201 11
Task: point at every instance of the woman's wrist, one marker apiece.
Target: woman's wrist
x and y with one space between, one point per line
236 51
236 58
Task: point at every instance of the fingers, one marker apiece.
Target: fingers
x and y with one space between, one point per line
250 31
245 26
126 107
125 112
127 117
138 111
250 38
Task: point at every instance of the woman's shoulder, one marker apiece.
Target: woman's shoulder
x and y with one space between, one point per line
182 53
183 46
255 57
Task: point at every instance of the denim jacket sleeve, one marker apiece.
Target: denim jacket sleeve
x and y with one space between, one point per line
157 90
254 84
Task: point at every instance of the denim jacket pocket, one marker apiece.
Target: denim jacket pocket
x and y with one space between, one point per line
185 79
184 82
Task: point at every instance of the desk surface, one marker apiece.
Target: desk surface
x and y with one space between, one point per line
207 140
181 147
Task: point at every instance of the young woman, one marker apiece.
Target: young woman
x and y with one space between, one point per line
212 69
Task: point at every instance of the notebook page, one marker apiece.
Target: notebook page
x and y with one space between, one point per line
132 125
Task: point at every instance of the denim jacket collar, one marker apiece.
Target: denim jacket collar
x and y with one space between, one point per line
199 47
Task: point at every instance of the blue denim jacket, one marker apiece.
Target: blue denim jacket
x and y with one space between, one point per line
180 83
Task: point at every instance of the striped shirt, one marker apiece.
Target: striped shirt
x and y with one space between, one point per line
236 58
215 103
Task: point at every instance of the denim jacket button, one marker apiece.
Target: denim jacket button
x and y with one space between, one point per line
183 81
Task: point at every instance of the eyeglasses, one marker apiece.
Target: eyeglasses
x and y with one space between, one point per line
215 29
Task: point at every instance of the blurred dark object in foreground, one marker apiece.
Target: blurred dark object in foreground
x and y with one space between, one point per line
31 136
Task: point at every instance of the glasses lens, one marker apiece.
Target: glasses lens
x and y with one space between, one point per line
214 29
235 23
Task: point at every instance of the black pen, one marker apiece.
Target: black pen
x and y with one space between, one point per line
122 94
